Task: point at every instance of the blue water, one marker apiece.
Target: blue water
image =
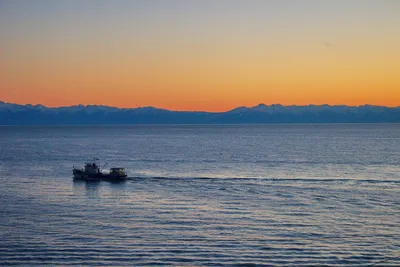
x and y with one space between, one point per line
198 195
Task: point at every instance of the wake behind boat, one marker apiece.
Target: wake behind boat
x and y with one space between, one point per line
92 171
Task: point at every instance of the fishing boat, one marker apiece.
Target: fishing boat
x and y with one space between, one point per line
92 171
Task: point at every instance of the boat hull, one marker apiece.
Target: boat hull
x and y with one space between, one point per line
80 175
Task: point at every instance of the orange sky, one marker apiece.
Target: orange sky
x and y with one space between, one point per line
214 58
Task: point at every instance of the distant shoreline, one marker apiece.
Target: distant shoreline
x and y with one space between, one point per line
200 124
15 114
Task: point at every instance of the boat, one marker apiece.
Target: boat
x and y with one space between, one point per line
92 171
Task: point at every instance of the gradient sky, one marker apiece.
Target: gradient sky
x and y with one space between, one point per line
200 55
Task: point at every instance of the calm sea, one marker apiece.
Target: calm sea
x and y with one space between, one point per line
220 195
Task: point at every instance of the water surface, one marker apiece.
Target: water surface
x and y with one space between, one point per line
263 195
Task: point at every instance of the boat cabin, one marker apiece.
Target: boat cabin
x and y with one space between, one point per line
92 168
118 171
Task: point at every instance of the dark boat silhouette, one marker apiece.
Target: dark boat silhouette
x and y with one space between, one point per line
92 171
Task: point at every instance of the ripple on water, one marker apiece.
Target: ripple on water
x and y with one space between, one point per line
264 195
193 222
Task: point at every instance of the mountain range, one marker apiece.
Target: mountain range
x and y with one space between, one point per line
15 114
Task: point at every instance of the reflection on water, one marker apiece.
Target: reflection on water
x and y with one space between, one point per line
319 196
199 222
94 188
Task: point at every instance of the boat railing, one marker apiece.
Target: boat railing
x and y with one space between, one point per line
77 168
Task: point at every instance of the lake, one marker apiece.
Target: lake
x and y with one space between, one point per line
202 195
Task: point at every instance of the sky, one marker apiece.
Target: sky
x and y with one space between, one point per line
211 55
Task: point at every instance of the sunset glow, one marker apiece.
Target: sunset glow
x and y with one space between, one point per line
200 55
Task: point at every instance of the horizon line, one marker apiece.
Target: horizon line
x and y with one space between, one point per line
149 106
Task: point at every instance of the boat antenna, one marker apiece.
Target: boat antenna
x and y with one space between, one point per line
104 166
